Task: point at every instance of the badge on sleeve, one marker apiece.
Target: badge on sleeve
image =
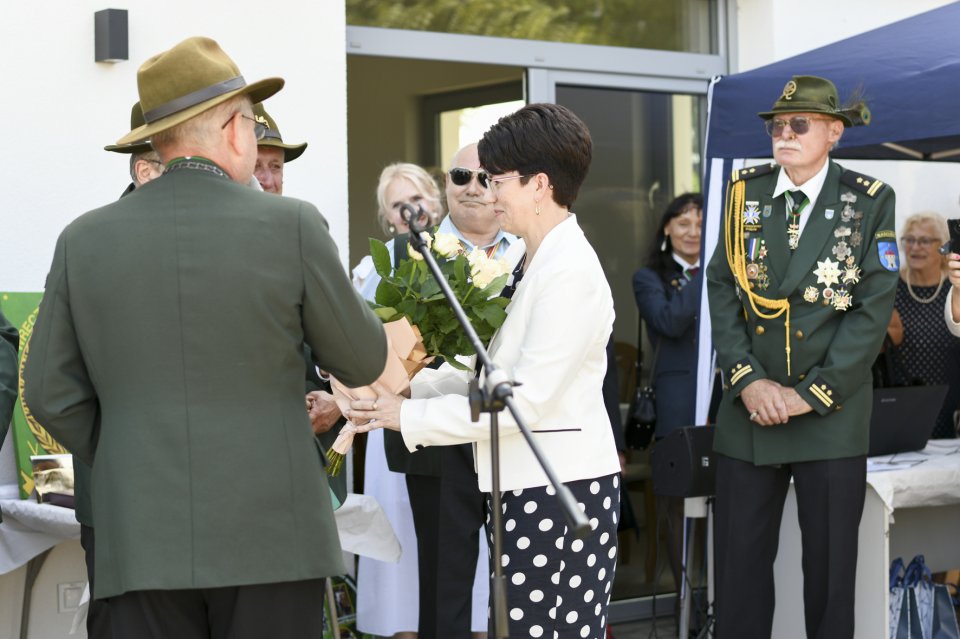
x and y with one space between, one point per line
889 258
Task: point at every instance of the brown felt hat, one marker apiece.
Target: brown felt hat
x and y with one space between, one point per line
273 138
192 77
136 120
811 94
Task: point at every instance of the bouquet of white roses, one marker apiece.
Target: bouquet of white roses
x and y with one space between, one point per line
410 293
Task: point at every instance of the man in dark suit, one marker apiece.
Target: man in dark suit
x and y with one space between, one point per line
168 348
808 248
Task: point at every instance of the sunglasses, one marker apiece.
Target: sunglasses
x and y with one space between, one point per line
799 124
462 177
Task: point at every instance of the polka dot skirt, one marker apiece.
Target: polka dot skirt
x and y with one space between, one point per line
558 587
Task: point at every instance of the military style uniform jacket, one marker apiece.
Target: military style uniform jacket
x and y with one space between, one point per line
839 283
168 353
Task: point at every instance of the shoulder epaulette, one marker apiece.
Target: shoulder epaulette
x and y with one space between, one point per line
752 172
863 183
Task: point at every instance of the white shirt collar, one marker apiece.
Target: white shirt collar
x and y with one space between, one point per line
811 188
683 263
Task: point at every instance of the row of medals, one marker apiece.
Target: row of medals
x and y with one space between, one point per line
837 277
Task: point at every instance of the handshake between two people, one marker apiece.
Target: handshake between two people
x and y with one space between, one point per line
771 403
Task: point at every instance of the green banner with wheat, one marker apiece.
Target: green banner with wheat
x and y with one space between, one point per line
29 438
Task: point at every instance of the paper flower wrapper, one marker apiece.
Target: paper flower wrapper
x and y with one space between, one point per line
406 356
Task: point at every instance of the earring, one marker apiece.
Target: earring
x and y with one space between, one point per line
663 245
538 207
393 229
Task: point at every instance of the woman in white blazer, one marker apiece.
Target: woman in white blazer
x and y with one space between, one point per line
553 344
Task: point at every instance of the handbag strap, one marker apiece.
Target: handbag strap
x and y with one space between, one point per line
656 353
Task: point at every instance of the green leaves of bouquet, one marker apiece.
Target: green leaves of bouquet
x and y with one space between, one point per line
412 291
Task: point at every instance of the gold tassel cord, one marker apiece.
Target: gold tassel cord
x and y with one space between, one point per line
737 260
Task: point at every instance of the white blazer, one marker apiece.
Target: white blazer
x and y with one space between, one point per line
553 343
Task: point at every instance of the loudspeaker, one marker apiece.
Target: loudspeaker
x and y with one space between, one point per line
684 463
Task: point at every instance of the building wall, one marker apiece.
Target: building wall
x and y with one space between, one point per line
771 30
60 108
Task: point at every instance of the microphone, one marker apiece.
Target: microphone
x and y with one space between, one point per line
416 218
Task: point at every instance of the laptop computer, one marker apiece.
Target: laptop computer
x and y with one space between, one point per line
903 418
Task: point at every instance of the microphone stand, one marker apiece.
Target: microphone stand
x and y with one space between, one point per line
496 394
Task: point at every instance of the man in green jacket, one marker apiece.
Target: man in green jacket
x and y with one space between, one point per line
145 166
168 350
801 290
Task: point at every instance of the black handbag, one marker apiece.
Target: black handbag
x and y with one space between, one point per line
642 414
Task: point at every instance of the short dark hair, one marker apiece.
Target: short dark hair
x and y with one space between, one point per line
661 260
540 138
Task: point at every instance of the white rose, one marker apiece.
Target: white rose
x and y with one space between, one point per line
446 245
476 256
414 253
486 270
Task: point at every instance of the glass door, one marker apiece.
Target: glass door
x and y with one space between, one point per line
647 139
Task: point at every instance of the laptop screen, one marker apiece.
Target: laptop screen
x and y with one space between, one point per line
903 418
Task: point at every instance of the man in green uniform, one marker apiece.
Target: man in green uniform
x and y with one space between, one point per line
168 350
273 153
801 289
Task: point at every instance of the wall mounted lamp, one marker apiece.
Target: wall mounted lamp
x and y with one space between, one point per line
111 39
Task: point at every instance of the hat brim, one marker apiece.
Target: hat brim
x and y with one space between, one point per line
258 92
132 149
290 151
808 107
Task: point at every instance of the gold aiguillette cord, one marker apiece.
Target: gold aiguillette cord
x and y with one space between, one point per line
737 260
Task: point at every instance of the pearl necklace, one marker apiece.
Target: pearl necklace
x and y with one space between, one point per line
924 300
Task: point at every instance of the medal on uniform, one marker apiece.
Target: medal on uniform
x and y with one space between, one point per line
841 232
827 272
842 299
846 214
851 274
855 239
793 235
751 213
810 294
767 210
841 250
763 280
827 295
753 270
828 214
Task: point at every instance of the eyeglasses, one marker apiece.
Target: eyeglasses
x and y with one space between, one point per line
924 242
462 177
495 181
259 129
799 124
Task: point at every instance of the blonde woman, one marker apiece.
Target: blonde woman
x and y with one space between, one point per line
387 594
400 183
927 353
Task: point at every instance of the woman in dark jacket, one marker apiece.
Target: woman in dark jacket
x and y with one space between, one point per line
668 296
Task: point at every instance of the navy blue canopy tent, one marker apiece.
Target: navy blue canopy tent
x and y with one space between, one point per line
909 73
